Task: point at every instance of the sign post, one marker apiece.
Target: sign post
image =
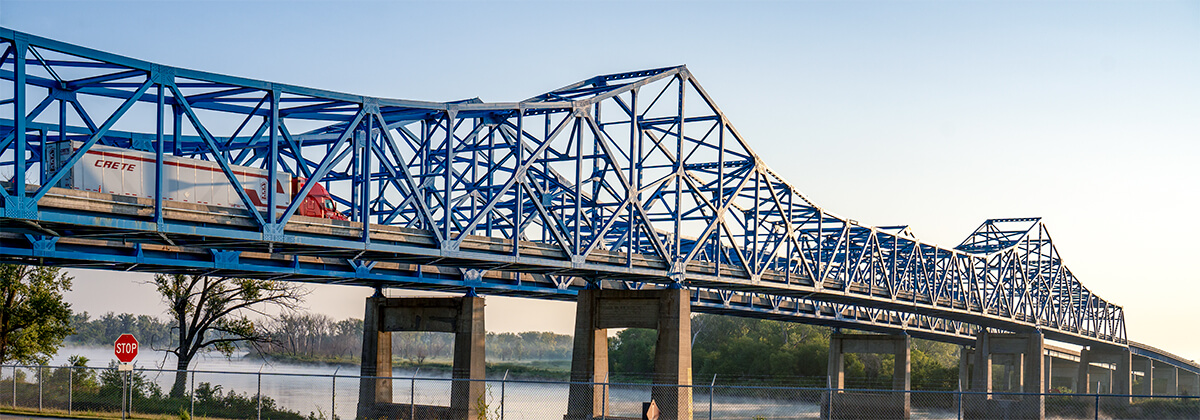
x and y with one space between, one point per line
126 349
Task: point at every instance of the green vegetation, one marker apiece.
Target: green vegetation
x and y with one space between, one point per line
316 338
772 352
99 393
749 351
34 319
151 332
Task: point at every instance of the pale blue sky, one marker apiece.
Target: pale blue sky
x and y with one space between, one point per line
933 114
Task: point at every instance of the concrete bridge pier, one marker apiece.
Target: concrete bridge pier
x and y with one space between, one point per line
462 316
1171 376
1028 350
1146 366
1190 387
1083 378
1119 375
964 367
665 310
892 405
1160 378
1061 370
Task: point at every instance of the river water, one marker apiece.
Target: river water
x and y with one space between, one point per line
312 388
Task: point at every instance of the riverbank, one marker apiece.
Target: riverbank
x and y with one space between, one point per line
520 369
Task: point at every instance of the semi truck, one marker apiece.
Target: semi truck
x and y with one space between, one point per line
127 172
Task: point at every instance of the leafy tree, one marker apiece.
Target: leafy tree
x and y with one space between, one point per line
151 332
140 386
34 319
81 377
210 313
774 351
632 351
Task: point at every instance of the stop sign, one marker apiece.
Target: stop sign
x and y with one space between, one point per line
126 348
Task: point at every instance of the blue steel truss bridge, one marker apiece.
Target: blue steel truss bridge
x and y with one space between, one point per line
620 181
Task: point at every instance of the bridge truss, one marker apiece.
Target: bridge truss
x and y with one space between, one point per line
625 180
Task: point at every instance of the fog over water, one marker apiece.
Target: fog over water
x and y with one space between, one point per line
312 388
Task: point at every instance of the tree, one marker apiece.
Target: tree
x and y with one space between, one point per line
210 313
631 352
34 319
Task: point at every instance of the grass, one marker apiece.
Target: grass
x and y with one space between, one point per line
77 414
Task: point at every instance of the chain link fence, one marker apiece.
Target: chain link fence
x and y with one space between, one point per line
268 394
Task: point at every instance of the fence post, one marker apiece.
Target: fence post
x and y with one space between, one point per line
40 389
192 395
604 400
130 396
131 389
958 400
1097 406
70 388
412 395
124 381
260 392
710 396
14 386
333 399
503 382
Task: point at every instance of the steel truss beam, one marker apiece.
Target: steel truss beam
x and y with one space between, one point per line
632 177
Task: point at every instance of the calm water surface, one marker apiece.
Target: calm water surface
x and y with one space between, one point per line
317 391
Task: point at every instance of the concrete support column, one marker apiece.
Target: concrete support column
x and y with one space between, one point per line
1174 385
589 361
1147 369
1035 368
981 380
1028 349
837 363
964 364
902 371
666 310
469 368
1083 384
1049 366
1122 377
1035 371
1120 374
673 356
376 359
461 316
890 405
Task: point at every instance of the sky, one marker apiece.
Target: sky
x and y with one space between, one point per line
932 114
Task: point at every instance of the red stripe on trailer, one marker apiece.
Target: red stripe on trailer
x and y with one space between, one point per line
182 165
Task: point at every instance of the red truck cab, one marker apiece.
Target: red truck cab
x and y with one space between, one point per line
318 203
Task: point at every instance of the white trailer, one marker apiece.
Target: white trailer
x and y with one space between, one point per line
131 173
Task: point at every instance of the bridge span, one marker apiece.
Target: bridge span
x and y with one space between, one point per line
622 182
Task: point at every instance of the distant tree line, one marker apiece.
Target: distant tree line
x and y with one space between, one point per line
318 337
729 347
151 332
303 336
314 337
765 351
